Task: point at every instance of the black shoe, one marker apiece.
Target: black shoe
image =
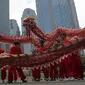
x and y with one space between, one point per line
24 77
9 81
24 81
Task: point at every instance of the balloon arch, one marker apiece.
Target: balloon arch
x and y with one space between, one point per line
48 47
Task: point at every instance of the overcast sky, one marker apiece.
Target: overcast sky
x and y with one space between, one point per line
17 7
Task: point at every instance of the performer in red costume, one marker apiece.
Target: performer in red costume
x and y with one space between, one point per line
33 74
73 69
53 71
3 73
71 64
77 68
3 69
36 74
45 70
12 69
64 68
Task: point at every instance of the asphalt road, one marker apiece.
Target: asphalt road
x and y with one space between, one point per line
75 82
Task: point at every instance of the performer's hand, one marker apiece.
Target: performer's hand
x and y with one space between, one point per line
10 55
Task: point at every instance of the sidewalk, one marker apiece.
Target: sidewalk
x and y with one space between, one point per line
43 82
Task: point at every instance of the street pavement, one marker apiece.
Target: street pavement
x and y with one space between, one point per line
43 82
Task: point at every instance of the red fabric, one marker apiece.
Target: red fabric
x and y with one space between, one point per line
66 67
72 65
38 33
1 51
76 52
53 71
62 69
40 49
12 69
20 72
12 75
69 63
3 73
33 74
78 67
3 69
45 71
66 63
15 50
66 41
36 73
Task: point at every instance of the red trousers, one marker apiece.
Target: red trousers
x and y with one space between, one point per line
53 71
3 73
66 67
36 73
72 64
45 71
33 74
78 68
62 69
12 73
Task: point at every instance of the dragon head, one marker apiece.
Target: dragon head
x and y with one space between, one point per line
29 22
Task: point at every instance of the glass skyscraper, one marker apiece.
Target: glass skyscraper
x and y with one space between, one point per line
44 16
4 16
65 13
56 13
4 20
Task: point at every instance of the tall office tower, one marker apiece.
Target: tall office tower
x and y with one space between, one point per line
4 19
14 28
45 15
4 16
56 13
26 13
65 13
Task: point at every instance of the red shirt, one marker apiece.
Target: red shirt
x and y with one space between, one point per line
1 51
15 50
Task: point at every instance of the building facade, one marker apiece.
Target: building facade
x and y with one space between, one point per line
4 16
4 20
65 13
56 13
45 15
14 28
